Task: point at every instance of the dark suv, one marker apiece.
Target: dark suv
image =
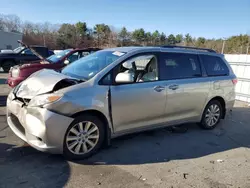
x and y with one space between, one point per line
22 54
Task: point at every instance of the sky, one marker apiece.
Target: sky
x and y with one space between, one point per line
205 18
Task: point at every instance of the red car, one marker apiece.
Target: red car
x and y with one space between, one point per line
57 61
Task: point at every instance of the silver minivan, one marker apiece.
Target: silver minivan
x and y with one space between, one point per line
119 91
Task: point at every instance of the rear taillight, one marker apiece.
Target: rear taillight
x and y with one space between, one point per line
235 81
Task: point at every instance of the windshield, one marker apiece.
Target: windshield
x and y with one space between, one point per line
56 57
18 49
88 66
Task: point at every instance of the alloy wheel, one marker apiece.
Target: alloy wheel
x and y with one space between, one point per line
212 115
82 137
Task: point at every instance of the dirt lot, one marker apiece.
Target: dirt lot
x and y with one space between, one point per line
195 158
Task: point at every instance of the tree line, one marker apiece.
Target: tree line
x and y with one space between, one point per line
79 35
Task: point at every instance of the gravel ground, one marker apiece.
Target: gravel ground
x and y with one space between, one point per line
161 158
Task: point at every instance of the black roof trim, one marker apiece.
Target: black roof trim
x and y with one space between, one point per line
189 47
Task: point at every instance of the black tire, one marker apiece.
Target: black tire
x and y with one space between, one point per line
204 123
101 128
6 65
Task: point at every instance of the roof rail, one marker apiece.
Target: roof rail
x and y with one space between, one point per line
189 47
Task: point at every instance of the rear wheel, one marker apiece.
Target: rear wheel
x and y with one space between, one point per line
211 115
6 65
84 137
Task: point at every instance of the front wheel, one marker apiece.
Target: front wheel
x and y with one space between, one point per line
211 115
6 65
84 137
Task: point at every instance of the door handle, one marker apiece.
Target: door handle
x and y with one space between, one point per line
173 87
159 88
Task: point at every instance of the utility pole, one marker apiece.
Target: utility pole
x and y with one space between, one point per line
223 46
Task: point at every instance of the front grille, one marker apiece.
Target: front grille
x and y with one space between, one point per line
17 123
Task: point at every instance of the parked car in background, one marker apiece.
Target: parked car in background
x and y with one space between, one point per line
57 61
22 54
119 91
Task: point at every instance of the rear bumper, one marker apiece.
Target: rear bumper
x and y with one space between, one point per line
12 82
42 129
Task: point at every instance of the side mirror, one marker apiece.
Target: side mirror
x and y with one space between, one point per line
66 62
124 78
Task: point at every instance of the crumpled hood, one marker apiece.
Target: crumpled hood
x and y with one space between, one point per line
40 82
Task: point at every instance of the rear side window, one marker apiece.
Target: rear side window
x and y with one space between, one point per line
179 66
214 66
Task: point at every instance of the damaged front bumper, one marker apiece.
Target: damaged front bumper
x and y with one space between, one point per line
39 127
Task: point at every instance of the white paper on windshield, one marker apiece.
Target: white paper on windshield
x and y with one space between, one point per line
118 53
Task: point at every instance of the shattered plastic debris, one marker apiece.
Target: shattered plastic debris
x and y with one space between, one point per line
143 179
220 160
185 175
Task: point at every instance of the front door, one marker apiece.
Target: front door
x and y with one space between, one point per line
142 103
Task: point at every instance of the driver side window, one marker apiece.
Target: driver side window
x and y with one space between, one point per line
142 68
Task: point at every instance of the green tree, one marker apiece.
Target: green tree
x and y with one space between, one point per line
200 42
156 37
123 36
139 36
67 36
148 38
81 28
102 31
171 39
188 39
237 44
179 38
163 39
81 33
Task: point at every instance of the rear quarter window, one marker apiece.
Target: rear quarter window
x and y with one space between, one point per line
214 66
